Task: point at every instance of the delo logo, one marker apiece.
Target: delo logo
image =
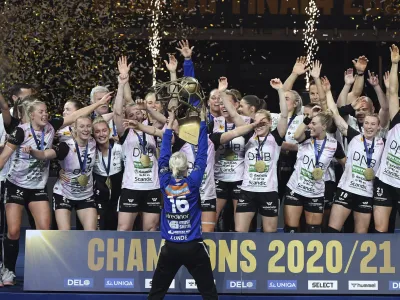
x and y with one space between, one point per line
282 284
78 282
119 283
394 285
241 284
148 282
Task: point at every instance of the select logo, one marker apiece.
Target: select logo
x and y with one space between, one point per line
394 285
363 285
322 285
78 282
241 284
148 282
282 284
119 283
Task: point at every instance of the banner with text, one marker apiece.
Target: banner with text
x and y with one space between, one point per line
254 263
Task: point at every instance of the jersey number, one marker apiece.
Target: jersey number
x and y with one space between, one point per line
179 204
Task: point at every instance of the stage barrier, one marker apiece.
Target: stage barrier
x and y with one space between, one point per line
243 263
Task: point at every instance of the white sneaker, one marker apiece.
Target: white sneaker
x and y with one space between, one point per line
8 277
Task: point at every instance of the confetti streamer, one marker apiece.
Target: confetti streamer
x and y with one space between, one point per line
154 42
309 35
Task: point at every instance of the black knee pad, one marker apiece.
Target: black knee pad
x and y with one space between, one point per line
289 229
313 228
331 230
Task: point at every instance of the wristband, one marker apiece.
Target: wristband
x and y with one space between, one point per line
307 120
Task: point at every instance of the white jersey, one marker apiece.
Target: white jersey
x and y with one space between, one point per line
389 170
116 163
266 181
136 176
293 123
25 170
302 181
64 134
69 162
229 170
353 123
353 179
113 128
207 189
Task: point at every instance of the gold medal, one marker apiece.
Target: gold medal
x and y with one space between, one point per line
229 154
83 180
369 174
108 183
145 160
260 166
317 173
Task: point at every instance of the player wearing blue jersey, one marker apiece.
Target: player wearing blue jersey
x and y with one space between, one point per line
181 218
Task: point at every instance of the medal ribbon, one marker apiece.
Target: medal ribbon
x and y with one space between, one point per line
114 129
259 148
82 163
318 153
369 151
291 120
142 142
107 168
39 145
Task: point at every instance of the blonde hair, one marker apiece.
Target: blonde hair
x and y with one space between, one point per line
375 115
178 164
266 113
79 118
326 118
99 120
298 100
149 94
29 106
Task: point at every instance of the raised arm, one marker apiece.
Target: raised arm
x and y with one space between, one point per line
300 134
222 86
70 119
373 80
394 82
360 65
348 82
298 69
151 130
283 120
47 154
196 176
339 121
315 74
238 131
5 111
123 79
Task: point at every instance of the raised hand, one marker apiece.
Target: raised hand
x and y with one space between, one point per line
185 49
123 78
349 76
123 66
386 79
172 64
300 66
276 83
316 67
358 103
360 64
141 104
326 85
394 54
316 110
222 84
373 79
130 124
106 98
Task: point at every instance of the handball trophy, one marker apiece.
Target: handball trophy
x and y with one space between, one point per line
190 97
